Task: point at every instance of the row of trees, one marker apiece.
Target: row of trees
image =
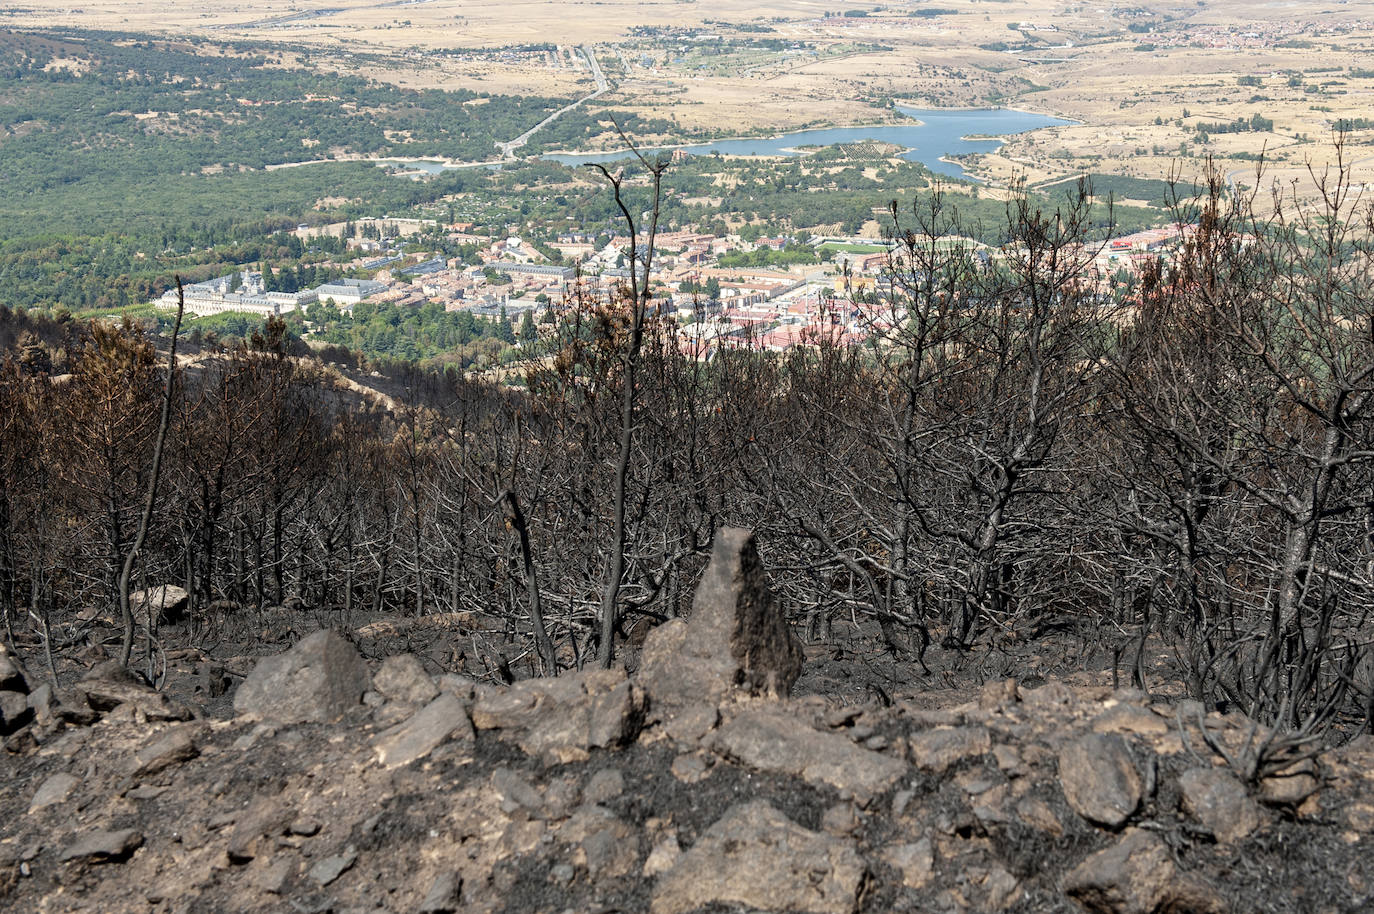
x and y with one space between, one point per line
1017 448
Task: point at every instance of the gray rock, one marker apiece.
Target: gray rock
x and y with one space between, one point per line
1218 801
319 679
331 868
605 785
564 717
770 740
915 861
1100 779
13 677
52 791
1291 785
171 748
110 685
939 750
268 817
516 793
167 602
102 846
15 712
737 637
403 678
436 722
445 895
756 857
1137 875
272 876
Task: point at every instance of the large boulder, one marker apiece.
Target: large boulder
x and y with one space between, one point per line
563 717
165 602
758 858
320 679
737 636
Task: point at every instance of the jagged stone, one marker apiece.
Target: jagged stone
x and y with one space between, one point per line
756 857
1125 718
772 740
402 677
1137 875
605 785
564 717
1219 802
52 791
167 602
1291 785
939 750
319 679
441 719
915 861
516 793
737 636
1100 779
445 895
109 685
15 712
13 677
331 868
268 817
272 876
171 748
102 846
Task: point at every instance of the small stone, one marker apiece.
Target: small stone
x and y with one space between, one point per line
998 694
305 827
171 748
773 741
663 857
15 712
1100 779
1218 801
403 678
102 846
273 876
1137 875
561 873
445 895
12 675
52 791
1127 718
1291 785
756 857
915 861
690 768
436 722
266 818
605 785
688 724
937 751
331 868
516 793
840 819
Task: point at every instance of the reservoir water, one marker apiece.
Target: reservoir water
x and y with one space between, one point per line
933 134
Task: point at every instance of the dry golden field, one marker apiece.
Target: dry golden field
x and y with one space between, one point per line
1140 78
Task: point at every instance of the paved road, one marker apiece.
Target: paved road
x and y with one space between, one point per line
602 86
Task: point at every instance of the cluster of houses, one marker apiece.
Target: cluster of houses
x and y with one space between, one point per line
714 307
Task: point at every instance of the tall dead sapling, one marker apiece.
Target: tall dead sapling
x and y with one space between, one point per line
125 612
638 302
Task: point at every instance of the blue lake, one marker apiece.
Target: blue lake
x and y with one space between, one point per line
932 134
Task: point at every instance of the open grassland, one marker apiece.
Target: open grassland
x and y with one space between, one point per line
1147 81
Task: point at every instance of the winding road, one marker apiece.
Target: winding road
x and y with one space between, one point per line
602 87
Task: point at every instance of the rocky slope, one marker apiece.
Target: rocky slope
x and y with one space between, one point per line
694 785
